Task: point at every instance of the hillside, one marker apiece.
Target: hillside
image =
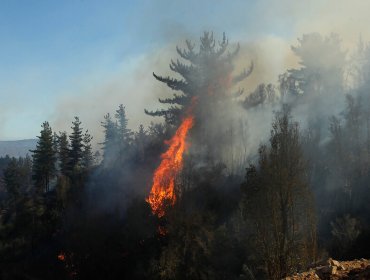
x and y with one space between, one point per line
17 148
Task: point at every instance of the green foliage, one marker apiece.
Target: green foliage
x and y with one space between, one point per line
76 147
80 155
23 222
117 145
124 133
17 176
87 155
44 159
63 153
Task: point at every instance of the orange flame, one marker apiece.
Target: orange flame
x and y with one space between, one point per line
62 256
163 188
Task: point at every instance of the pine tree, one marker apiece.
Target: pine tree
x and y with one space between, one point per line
17 230
87 155
44 159
76 146
63 153
140 140
207 77
124 134
141 133
322 65
26 171
63 183
205 91
18 177
110 144
12 179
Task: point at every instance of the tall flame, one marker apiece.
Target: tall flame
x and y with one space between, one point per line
163 188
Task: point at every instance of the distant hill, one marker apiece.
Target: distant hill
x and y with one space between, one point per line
18 148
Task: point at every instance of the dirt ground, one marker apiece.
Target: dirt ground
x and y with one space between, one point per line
335 270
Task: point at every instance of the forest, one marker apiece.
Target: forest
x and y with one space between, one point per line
225 183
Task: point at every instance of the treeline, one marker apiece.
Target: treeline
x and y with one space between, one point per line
59 202
301 195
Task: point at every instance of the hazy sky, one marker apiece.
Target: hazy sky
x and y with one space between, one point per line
59 59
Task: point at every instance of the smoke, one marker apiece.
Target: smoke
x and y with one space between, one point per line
265 29
266 40
132 85
291 19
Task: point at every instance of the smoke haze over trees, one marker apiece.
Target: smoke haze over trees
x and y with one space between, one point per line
274 177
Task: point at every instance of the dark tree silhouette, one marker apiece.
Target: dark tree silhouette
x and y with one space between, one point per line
44 159
207 76
278 204
76 146
63 153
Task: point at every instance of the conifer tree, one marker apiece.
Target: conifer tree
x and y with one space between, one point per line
322 65
18 177
12 179
87 155
76 146
207 77
18 225
44 159
110 146
63 153
141 139
205 90
26 171
124 134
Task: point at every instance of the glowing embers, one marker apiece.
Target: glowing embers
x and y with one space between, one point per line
68 260
163 188
62 256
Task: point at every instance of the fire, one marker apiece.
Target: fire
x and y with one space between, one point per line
62 256
163 188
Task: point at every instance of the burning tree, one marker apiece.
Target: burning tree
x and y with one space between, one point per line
205 87
208 76
163 188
